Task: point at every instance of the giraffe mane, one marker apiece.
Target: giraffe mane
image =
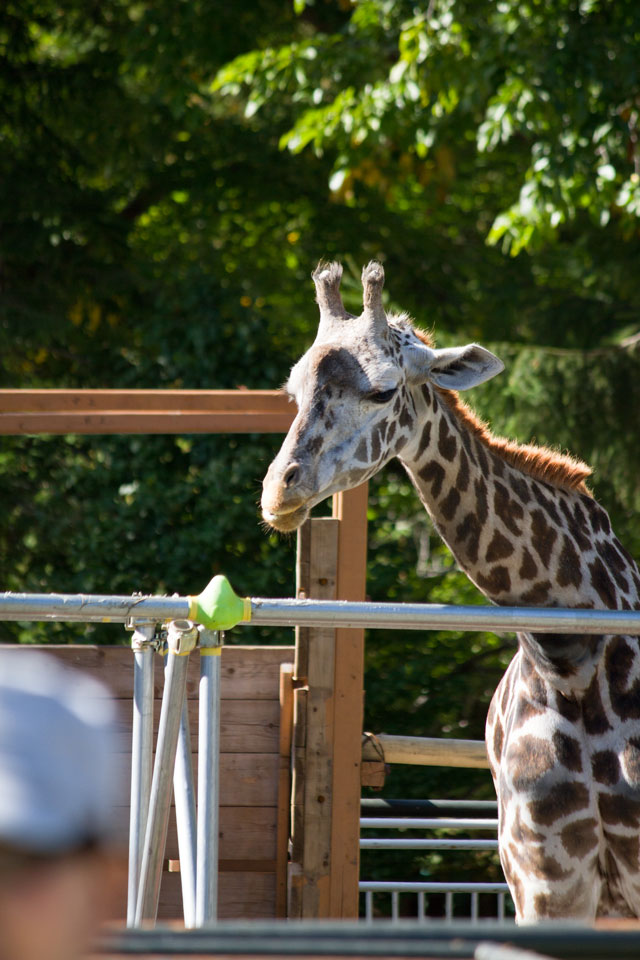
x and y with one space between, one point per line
542 463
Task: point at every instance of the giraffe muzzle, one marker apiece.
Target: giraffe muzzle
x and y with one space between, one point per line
284 505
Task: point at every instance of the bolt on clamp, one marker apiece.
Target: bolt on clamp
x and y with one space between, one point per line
145 634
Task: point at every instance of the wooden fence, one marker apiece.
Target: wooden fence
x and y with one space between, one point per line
329 664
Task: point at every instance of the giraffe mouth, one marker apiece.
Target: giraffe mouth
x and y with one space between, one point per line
286 521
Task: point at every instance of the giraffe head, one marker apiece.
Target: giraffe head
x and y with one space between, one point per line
355 390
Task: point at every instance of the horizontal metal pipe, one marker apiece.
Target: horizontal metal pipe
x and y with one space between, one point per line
87 608
382 843
390 807
346 938
438 616
427 823
392 886
324 613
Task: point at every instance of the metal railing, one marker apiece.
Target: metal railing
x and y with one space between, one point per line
420 890
394 889
324 613
151 794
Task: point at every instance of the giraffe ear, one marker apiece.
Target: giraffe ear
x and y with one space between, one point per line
459 368
456 368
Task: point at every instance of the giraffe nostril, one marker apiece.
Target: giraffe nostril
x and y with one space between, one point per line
291 474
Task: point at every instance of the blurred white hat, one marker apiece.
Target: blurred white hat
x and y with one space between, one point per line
58 745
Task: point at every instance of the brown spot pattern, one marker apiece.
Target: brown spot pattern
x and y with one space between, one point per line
559 905
567 707
447 444
605 767
525 709
499 548
482 506
498 739
361 452
580 528
568 751
528 569
528 759
603 584
468 446
509 510
617 808
537 688
536 863
425 439
522 833
375 440
614 563
561 800
497 465
433 473
598 517
468 530
543 536
547 505
498 581
593 714
625 849
462 480
483 463
580 837
450 504
521 488
619 660
538 593
569 572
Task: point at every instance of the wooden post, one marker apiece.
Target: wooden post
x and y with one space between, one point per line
328 716
309 888
350 508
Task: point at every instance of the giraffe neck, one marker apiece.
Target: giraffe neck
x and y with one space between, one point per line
521 540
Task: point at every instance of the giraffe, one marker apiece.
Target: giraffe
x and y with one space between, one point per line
563 727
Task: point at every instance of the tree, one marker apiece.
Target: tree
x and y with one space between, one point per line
170 173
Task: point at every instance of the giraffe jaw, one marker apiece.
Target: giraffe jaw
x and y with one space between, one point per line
287 521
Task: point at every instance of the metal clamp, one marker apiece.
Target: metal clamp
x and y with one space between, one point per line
182 637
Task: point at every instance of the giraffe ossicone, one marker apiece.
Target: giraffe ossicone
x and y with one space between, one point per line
563 730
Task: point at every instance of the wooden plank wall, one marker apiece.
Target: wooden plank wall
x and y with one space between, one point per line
254 769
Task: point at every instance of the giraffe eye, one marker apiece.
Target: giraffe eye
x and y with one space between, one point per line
383 396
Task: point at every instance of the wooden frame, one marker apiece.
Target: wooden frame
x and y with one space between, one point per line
144 411
337 545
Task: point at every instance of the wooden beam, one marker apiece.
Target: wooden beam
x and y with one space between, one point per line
144 411
44 401
427 751
168 422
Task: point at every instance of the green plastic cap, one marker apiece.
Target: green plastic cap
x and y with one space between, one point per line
219 607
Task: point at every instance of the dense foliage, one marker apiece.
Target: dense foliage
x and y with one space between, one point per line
170 172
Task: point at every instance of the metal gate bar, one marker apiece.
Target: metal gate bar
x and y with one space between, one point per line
321 613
